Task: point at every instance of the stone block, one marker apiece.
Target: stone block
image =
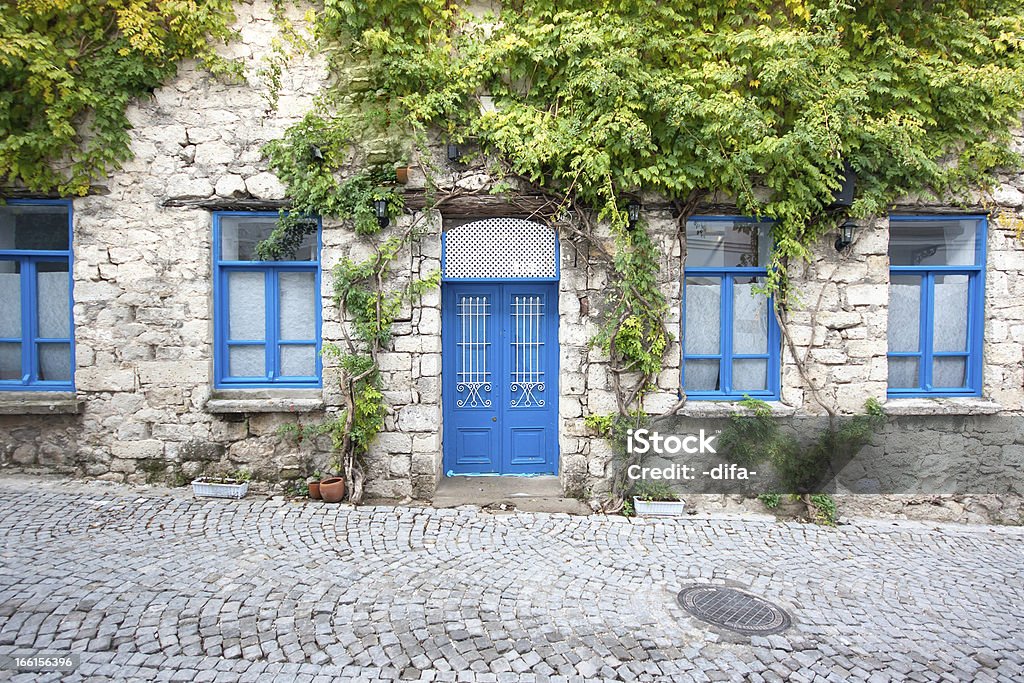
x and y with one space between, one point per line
424 463
430 363
181 186
867 295
426 443
105 378
135 450
230 186
419 418
213 153
390 362
394 442
659 402
174 372
399 465
223 430
265 186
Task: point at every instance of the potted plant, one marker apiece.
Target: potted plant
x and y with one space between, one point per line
657 499
332 489
313 486
234 486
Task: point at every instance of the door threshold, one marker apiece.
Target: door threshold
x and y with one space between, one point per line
530 494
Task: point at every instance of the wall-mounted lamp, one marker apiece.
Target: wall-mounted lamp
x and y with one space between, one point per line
454 153
633 213
845 238
316 154
843 198
380 207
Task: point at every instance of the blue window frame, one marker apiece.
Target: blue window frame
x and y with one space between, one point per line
731 339
37 346
267 313
936 305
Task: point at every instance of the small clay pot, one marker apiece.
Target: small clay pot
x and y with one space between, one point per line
314 490
332 490
402 175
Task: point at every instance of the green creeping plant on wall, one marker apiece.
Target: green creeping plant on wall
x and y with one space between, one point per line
69 70
762 101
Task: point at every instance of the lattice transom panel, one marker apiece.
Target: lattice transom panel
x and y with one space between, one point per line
504 248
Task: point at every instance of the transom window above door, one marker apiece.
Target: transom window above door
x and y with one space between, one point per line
268 318
730 335
936 305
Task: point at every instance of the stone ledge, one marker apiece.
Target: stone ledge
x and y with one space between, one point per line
40 403
941 406
728 408
265 401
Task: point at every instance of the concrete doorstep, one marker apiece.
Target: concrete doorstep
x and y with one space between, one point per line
528 494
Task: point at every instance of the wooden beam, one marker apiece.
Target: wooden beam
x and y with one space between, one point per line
228 204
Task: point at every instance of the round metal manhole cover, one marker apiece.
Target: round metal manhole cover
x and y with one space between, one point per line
734 610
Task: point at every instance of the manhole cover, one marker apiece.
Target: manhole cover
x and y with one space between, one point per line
734 610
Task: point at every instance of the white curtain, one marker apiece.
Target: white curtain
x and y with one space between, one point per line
247 316
10 303
703 313
749 335
54 315
297 321
298 305
904 331
950 329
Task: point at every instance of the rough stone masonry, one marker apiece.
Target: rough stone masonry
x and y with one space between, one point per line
144 406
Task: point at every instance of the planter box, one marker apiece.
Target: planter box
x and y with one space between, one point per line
220 488
659 508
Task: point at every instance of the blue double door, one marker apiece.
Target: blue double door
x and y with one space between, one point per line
500 377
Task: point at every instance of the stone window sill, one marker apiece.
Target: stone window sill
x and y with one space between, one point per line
265 401
40 403
941 406
727 408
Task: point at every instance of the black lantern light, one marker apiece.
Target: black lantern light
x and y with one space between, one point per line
316 154
454 153
380 207
845 238
843 197
633 213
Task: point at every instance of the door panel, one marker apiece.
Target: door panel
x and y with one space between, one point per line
500 358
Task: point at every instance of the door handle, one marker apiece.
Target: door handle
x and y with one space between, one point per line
494 419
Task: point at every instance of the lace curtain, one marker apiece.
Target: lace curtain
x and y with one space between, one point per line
949 332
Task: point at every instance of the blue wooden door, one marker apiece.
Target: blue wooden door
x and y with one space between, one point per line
500 377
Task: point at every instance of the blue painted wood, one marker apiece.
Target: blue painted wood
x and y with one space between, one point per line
500 377
30 340
271 342
975 315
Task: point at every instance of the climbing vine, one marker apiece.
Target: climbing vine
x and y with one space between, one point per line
759 103
68 71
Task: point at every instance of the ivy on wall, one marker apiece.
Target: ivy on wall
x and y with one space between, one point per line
68 71
759 101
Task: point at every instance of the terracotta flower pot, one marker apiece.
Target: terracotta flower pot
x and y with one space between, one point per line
402 175
314 490
332 490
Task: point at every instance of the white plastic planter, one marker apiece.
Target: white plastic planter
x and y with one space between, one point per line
659 508
220 488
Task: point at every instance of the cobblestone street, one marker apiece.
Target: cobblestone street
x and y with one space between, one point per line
151 586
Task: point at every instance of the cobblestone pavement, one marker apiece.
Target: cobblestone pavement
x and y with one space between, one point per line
149 586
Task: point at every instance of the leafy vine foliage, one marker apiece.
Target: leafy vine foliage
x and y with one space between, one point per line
763 101
68 70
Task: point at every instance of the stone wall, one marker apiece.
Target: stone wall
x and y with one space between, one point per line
145 409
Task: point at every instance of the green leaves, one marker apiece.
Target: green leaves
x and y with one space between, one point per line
69 70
